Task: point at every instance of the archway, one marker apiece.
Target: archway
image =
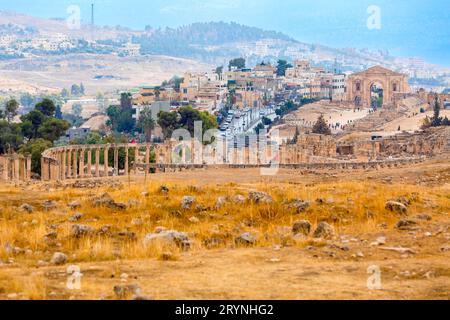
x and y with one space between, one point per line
376 95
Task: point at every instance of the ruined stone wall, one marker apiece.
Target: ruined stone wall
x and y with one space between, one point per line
15 167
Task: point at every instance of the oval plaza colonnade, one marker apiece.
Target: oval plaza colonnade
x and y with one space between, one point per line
86 161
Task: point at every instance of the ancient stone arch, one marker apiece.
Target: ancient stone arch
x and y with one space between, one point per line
359 85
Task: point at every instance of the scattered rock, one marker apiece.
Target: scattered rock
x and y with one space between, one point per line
26 208
104 230
164 189
79 230
399 250
58 258
187 202
299 205
405 225
221 201
260 197
381 241
194 220
239 199
324 230
49 205
126 291
424 217
75 217
145 194
302 227
74 205
105 200
246 239
396 207
180 239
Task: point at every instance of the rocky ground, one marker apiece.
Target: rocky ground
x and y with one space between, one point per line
231 234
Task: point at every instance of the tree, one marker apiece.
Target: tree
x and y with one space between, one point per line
146 123
125 101
31 123
64 93
238 63
10 136
35 148
321 126
282 66
436 120
58 112
168 122
75 90
259 127
296 136
52 129
121 120
81 88
219 70
77 109
46 107
11 109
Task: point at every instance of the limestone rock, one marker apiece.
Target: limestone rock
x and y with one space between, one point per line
187 202
164 189
221 201
58 258
75 217
74 205
260 197
246 239
324 230
396 207
26 208
239 199
299 205
302 227
125 291
405 224
49 205
180 239
79 230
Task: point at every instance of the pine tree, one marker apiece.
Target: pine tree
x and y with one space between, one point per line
436 121
321 126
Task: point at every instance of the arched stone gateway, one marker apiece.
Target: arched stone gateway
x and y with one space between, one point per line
359 85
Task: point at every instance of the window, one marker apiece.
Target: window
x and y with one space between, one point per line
394 87
358 86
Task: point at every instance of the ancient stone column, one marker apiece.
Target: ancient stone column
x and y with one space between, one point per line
147 155
105 162
69 164
89 163
126 161
136 156
97 162
5 169
75 164
16 169
62 164
82 168
116 161
28 168
24 169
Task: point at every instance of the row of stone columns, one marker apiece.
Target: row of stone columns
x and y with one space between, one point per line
15 168
77 162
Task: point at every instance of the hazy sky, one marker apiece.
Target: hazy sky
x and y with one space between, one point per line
408 27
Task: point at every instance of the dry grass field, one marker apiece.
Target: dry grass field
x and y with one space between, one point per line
245 245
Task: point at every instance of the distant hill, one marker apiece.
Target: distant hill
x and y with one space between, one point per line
213 43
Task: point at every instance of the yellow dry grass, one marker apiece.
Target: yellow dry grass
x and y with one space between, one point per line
353 208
